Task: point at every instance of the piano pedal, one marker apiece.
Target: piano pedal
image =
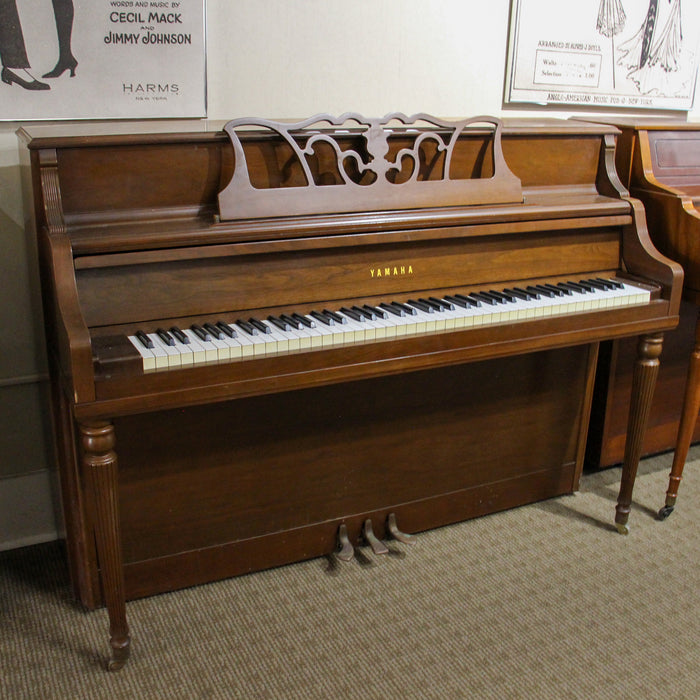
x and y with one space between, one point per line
393 529
378 547
347 551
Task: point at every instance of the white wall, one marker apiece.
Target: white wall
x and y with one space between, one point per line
266 58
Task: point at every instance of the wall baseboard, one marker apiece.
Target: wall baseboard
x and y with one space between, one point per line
27 511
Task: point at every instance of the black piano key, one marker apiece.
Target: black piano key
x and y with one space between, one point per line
444 304
459 302
542 291
395 310
144 339
165 336
379 313
282 325
574 287
616 284
179 335
531 294
304 320
365 313
434 305
351 313
200 332
518 294
586 285
325 320
226 329
257 323
507 298
496 296
559 291
293 322
421 306
470 299
213 331
485 298
598 285
335 316
247 327
408 310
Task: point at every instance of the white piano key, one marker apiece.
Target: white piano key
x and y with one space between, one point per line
147 357
186 353
163 357
211 353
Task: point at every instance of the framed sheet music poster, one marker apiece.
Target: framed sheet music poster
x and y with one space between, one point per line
604 53
102 59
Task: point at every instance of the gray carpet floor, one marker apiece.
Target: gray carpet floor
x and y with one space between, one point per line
543 601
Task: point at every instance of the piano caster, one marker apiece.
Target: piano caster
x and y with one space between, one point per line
378 547
622 528
393 529
347 551
120 654
668 506
665 512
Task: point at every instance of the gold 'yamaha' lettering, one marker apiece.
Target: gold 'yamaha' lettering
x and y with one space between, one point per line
395 271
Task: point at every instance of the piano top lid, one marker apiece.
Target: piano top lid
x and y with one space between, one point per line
87 134
647 123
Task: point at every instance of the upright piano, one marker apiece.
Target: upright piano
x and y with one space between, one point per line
274 341
658 160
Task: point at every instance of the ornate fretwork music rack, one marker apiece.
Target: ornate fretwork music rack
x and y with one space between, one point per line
369 165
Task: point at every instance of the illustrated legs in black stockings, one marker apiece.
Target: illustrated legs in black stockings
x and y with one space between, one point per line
63 14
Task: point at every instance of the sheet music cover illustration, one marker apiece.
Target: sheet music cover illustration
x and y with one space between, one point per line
74 59
604 53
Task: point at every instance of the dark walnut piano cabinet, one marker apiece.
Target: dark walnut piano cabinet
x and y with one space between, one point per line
658 160
179 475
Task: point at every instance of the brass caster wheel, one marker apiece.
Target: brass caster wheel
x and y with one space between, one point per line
622 528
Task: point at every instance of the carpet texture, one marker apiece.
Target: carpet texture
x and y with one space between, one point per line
543 601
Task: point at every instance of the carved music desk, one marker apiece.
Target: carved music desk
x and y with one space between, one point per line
272 342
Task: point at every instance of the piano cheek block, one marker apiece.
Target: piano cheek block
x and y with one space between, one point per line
196 309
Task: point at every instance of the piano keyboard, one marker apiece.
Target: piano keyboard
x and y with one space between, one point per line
216 341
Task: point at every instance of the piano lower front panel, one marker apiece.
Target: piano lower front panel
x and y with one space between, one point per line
218 490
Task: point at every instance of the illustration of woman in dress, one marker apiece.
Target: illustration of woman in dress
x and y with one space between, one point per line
63 14
652 58
611 21
13 53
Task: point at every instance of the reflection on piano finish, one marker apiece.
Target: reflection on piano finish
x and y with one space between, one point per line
476 399
659 161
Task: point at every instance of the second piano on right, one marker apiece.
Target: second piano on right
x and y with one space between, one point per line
659 162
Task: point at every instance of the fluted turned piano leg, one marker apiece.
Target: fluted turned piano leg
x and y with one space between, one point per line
100 470
686 427
646 369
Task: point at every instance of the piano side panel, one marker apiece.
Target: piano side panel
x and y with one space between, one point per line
219 490
650 162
